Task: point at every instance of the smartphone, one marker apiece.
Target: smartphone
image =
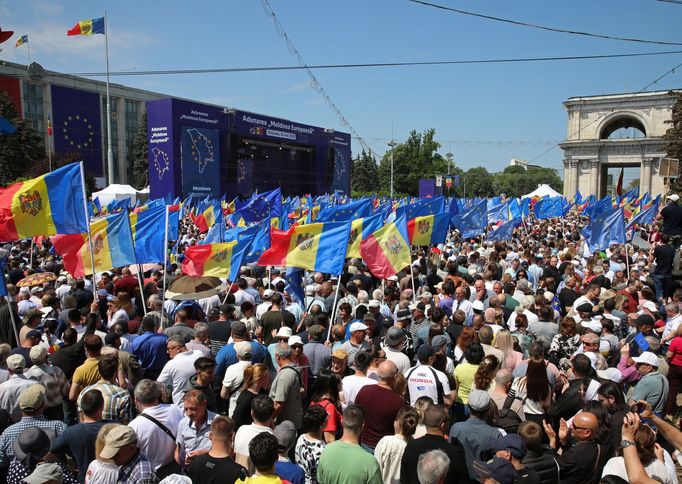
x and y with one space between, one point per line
638 407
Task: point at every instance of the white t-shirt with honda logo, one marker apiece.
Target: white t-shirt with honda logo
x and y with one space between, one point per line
421 382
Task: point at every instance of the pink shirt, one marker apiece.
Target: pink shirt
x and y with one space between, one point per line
629 373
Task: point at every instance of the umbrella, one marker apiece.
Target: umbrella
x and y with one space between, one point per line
190 287
37 279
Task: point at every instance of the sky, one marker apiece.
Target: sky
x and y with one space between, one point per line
483 114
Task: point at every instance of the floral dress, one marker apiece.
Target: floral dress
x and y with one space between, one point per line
308 454
564 346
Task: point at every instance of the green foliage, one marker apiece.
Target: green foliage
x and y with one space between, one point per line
515 181
140 156
364 173
42 166
632 185
18 151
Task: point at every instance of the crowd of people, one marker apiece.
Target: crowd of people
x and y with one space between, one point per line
528 361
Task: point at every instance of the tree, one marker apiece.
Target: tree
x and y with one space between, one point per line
364 173
633 185
674 134
477 182
140 155
414 159
18 151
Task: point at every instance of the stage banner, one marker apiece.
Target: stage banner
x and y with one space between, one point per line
77 126
200 158
160 148
340 143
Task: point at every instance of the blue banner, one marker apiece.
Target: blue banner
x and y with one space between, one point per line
200 158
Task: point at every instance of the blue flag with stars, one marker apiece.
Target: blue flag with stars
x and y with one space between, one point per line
294 287
350 211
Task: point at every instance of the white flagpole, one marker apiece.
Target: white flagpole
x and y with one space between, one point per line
28 47
139 280
165 264
110 151
414 288
336 297
87 218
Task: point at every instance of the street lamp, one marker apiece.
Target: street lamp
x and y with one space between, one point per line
392 145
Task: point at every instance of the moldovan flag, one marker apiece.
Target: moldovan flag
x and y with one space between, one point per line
112 244
147 228
48 205
88 27
387 250
360 229
317 247
429 229
217 260
207 218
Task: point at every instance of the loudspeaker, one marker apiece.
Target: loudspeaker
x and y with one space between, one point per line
669 167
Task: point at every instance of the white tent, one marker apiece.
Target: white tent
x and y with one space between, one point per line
542 191
116 192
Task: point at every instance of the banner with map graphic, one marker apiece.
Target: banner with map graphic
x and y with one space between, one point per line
200 159
77 127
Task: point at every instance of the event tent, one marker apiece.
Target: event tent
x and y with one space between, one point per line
118 192
543 190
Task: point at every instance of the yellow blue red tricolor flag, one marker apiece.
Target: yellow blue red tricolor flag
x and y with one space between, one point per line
428 229
48 205
316 247
88 27
21 40
112 246
218 260
387 251
360 229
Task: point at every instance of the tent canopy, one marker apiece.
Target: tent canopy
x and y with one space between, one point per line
543 190
116 192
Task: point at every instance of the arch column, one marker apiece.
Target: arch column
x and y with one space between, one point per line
645 176
575 176
594 176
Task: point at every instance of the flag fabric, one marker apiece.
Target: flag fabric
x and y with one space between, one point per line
208 217
428 206
317 247
549 207
260 242
606 230
87 27
21 40
387 251
112 244
3 282
472 221
497 211
217 260
504 232
619 185
645 217
147 229
428 229
294 287
260 207
350 211
360 229
48 205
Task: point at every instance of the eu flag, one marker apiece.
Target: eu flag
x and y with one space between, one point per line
473 221
549 207
606 230
504 231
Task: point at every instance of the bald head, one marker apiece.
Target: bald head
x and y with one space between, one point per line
489 315
387 370
585 426
503 378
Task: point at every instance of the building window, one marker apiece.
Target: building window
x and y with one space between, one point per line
132 125
33 106
114 128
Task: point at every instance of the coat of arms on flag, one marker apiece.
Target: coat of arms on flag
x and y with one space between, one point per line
423 226
304 241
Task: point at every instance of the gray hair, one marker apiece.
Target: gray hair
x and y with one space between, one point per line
5 351
177 339
147 391
432 466
283 351
200 329
503 377
672 308
654 343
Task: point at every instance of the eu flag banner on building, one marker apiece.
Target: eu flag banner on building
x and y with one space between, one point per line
87 27
473 221
428 206
217 260
147 229
504 232
360 229
606 230
112 244
48 205
349 211
387 251
549 207
428 229
316 247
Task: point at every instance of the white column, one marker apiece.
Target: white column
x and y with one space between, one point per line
645 176
575 175
594 176
568 180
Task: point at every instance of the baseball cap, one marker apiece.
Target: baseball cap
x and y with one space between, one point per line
439 341
477 306
420 306
499 469
284 332
243 349
479 400
285 433
592 324
374 304
392 278
393 336
357 326
425 352
647 357
403 315
585 308
61 279
44 473
674 197
511 442
267 294
33 441
32 398
650 305
16 363
239 329
102 293
295 340
117 437
37 289
612 374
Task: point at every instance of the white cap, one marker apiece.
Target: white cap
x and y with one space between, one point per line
647 357
650 305
357 326
612 374
373 303
477 305
593 359
674 197
277 280
284 332
392 278
268 293
295 340
592 324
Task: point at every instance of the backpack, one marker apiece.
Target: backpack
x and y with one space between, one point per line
508 419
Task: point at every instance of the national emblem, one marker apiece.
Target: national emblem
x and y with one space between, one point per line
30 203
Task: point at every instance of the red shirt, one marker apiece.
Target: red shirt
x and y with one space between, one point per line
126 284
630 304
334 421
381 407
676 349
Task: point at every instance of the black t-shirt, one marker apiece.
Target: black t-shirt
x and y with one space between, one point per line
567 297
214 470
78 441
664 255
672 219
270 320
457 471
527 476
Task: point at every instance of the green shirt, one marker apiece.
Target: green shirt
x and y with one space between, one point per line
334 465
464 376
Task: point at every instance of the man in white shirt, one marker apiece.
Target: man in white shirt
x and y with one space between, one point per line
240 295
157 424
424 380
262 409
234 375
461 303
263 307
671 323
592 293
394 341
177 372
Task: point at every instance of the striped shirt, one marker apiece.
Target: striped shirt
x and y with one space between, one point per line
117 402
138 471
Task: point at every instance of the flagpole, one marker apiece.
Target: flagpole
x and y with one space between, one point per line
627 260
139 279
110 151
414 288
165 265
87 218
28 47
9 298
336 297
